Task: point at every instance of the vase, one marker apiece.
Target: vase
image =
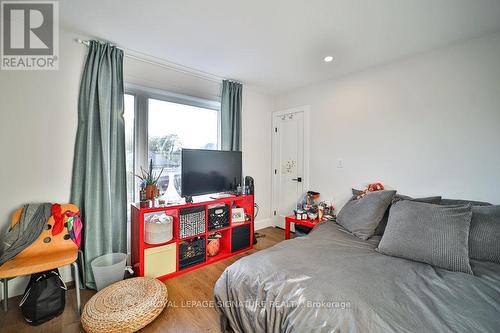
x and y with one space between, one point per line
171 195
151 191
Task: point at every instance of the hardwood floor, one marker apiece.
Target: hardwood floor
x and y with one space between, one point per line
188 295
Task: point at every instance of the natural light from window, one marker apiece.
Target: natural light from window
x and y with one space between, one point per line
172 126
129 108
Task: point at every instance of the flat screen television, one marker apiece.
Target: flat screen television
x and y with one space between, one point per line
209 171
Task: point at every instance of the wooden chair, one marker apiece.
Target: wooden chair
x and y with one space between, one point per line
47 252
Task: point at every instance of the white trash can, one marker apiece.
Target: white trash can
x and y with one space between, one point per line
108 269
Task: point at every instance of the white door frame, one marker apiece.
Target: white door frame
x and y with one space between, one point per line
274 176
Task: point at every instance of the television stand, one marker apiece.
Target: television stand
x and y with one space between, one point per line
218 196
184 245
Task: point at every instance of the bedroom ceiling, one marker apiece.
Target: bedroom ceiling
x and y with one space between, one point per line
280 45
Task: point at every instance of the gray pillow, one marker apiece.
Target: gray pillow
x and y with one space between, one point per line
381 227
447 202
362 216
383 223
433 234
484 235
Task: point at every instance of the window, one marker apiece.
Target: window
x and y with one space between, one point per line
158 125
129 116
172 126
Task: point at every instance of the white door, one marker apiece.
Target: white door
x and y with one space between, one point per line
288 163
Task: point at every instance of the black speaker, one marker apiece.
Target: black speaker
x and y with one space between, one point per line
249 182
251 186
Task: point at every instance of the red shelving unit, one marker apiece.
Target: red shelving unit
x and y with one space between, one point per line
155 260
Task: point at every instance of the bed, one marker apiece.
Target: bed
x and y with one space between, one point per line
332 281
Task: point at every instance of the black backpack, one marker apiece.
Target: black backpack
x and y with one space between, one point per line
44 297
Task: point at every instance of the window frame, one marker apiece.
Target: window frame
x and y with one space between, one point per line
141 96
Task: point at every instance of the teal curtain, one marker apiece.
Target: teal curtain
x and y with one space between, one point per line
231 115
99 178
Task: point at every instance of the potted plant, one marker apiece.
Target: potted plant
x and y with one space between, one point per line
149 181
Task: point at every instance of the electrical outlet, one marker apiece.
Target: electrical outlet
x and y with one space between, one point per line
340 163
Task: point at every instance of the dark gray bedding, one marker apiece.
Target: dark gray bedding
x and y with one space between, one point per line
331 281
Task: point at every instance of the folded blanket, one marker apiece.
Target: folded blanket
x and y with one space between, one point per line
26 231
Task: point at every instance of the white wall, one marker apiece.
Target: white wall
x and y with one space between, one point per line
37 135
427 125
256 137
39 120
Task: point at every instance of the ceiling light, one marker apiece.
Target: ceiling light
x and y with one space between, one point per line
328 59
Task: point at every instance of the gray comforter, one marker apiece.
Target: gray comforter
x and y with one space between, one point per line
331 281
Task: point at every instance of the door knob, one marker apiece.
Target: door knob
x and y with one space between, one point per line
299 179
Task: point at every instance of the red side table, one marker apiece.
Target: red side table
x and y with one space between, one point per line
291 219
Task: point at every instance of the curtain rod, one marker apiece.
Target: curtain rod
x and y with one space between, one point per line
152 60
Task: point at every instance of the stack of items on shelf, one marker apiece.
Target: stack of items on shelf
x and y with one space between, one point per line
311 208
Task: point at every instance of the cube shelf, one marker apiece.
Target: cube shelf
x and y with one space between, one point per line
165 256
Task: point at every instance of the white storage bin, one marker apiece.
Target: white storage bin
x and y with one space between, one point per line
158 228
108 269
160 260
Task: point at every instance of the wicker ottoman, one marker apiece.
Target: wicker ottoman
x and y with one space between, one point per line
125 306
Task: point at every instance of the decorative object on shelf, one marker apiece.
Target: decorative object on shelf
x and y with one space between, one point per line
144 203
321 212
171 195
213 246
312 215
149 181
311 208
312 197
238 215
328 209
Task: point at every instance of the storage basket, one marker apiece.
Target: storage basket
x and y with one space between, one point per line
192 252
158 228
191 221
218 217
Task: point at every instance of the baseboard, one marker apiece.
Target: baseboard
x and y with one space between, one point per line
264 223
